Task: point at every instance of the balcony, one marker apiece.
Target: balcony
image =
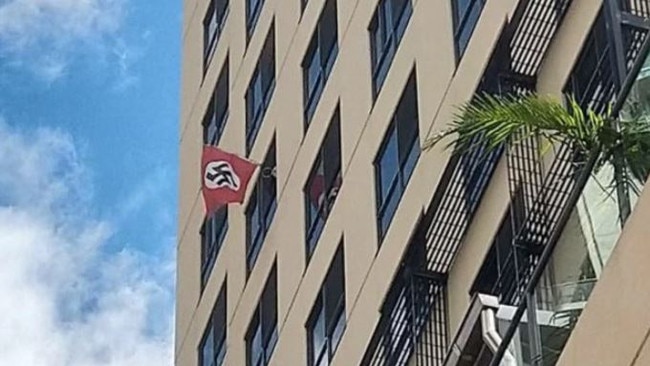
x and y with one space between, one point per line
412 329
567 234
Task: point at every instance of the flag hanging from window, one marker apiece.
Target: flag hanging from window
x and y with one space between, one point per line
225 177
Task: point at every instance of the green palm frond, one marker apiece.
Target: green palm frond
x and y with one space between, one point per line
508 119
490 121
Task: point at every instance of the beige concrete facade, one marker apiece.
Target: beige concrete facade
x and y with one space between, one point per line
426 50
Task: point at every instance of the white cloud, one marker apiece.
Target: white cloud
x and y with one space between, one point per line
41 34
65 299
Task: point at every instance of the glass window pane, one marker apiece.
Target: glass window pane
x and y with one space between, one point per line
251 8
256 346
387 16
331 152
270 344
327 29
337 333
386 57
388 164
406 120
378 36
253 218
212 26
325 360
315 189
267 60
334 289
411 160
211 131
313 72
257 95
403 16
207 347
318 337
460 9
390 206
468 26
222 5
268 192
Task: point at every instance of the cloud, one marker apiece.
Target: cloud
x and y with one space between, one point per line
40 35
66 299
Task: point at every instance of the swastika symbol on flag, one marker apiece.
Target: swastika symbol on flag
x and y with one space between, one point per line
219 174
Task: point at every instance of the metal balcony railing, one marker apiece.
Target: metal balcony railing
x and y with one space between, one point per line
412 323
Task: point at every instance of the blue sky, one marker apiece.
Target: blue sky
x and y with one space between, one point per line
88 172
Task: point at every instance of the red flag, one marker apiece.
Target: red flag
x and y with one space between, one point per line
225 177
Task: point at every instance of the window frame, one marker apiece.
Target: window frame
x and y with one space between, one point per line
381 60
404 147
216 321
211 243
260 208
256 326
462 25
252 16
325 58
326 161
210 40
264 74
333 328
221 92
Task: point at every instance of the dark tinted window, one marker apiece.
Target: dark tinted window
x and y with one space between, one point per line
323 183
213 234
262 333
217 112
261 208
386 30
320 57
327 319
397 156
212 349
260 89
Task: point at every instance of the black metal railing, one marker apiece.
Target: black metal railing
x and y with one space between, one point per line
609 55
537 204
408 328
513 68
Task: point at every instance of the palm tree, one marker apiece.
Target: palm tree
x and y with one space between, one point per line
509 120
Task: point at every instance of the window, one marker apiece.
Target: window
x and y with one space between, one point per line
217 113
320 57
397 156
262 332
253 10
323 184
261 208
212 349
327 320
386 31
465 16
213 234
497 268
591 81
213 24
260 89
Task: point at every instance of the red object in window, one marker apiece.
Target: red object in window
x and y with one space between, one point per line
316 189
317 194
225 177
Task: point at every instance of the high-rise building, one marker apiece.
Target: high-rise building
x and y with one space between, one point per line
354 246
